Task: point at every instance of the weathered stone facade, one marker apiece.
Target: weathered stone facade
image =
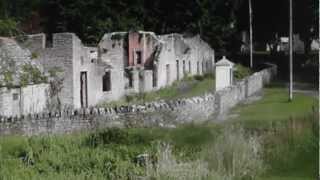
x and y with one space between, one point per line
22 83
122 63
23 100
160 113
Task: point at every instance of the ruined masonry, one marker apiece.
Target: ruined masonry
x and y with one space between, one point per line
122 63
159 113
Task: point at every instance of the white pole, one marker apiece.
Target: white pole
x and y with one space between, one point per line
251 46
291 54
319 78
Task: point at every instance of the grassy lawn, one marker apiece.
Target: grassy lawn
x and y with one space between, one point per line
187 87
274 107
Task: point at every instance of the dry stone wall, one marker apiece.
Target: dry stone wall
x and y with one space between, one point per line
160 113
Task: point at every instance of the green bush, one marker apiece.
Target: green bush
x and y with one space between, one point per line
34 55
116 136
241 71
8 27
199 77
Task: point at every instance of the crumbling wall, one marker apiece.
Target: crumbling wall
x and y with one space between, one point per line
10 101
35 43
113 58
24 100
166 59
61 56
34 98
160 113
202 56
183 56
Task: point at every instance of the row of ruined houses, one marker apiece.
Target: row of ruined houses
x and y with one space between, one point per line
122 63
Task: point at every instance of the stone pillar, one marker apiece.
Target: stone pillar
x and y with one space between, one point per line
224 74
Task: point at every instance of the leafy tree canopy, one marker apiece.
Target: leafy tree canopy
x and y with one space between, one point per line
217 21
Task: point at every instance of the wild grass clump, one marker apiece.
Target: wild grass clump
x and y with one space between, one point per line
236 155
165 166
232 155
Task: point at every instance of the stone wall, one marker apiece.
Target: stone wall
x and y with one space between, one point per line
61 56
35 42
160 113
24 100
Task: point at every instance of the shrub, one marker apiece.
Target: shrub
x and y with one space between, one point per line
116 136
199 77
241 71
34 55
9 27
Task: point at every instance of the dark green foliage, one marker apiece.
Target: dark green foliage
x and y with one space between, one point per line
90 19
199 77
34 55
116 136
8 78
241 71
8 27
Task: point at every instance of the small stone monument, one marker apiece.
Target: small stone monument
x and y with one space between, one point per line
224 73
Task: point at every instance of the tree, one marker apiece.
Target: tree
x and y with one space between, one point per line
9 27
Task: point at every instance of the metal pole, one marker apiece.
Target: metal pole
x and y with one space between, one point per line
291 54
251 46
319 82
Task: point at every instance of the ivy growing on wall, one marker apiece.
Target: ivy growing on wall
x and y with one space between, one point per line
31 75
56 85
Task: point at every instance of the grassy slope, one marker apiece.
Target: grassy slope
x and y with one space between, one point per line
288 162
274 106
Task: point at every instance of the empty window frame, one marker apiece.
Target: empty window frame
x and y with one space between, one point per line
129 79
138 57
177 61
106 82
184 66
198 68
15 96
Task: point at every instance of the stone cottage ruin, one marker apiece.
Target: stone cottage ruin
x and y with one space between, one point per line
122 63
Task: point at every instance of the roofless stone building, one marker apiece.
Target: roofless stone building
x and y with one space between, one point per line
122 63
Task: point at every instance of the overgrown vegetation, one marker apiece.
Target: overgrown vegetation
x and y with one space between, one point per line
31 75
9 27
56 85
285 149
116 154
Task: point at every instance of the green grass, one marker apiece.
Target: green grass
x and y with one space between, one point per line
291 152
106 154
187 87
290 146
274 107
